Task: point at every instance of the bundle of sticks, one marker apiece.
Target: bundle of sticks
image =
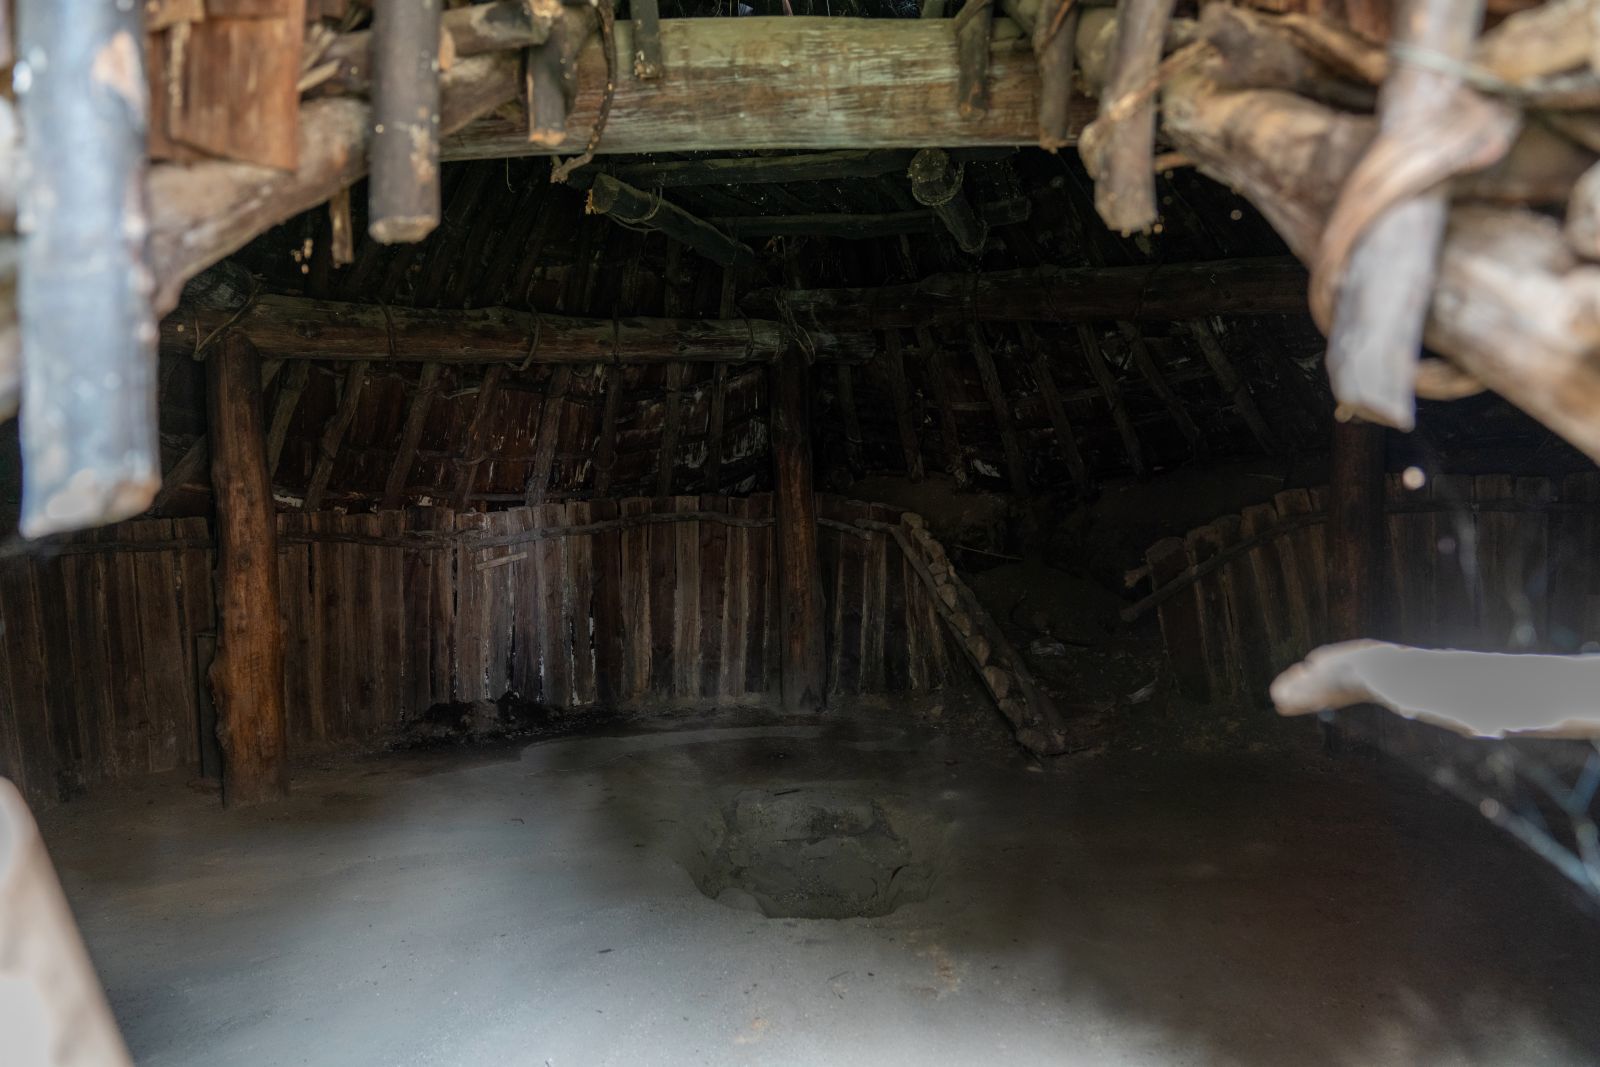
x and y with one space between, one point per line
1441 183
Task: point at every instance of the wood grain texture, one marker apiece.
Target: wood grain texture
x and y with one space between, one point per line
260 50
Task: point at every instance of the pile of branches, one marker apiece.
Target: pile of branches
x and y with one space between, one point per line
1440 184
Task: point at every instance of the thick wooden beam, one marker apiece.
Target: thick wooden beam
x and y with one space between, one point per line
853 227
894 370
394 488
1089 341
635 207
90 449
472 448
1066 440
1158 384
547 436
891 83
355 379
1234 385
403 198
1159 292
1000 404
288 327
800 634
1355 530
247 672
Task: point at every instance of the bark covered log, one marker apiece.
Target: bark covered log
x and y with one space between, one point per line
90 448
247 673
1119 146
287 327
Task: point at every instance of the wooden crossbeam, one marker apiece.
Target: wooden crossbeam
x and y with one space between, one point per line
1162 292
286 327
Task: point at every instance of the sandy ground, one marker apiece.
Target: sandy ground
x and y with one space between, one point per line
527 905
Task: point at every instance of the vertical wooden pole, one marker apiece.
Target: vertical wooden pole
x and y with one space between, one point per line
403 193
247 673
90 449
1355 530
799 578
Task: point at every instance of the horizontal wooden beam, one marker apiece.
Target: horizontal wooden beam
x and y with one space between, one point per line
775 169
288 327
826 83
1162 292
854 227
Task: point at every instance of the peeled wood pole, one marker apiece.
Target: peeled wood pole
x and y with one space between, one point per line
936 183
403 195
799 579
90 449
247 673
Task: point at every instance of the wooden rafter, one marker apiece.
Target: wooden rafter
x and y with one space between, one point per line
1089 341
1000 404
1159 385
472 447
422 397
355 379
548 436
1065 439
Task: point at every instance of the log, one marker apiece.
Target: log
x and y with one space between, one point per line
403 195
1118 148
247 673
90 448
891 84
1055 38
634 207
974 26
1376 335
287 327
552 74
646 39
800 603
202 212
500 26
765 170
936 183
1159 292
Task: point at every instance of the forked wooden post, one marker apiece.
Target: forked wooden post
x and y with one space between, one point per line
799 579
247 673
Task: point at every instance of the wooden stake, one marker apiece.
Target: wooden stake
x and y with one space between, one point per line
1000 404
247 673
799 578
90 448
333 435
394 489
403 196
472 447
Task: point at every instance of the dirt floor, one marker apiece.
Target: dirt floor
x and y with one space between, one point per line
542 904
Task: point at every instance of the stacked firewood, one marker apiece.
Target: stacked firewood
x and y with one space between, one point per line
1440 184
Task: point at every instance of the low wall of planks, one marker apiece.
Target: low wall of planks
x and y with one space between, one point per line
1487 562
623 603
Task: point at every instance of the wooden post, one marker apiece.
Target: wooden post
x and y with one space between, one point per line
90 449
1355 530
403 195
247 673
799 580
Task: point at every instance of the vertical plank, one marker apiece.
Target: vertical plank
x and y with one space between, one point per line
1180 619
554 624
1272 603
442 606
757 608
1300 551
168 684
60 667
84 606
639 594
736 625
395 676
611 613
198 615
713 586
522 615
578 555
850 614
1498 562
800 602
1355 529
416 592
686 683
30 714
1216 624
874 613
894 630
1574 546
322 648
472 669
664 595
1249 632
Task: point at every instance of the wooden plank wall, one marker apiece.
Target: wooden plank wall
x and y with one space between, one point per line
388 614
1486 562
